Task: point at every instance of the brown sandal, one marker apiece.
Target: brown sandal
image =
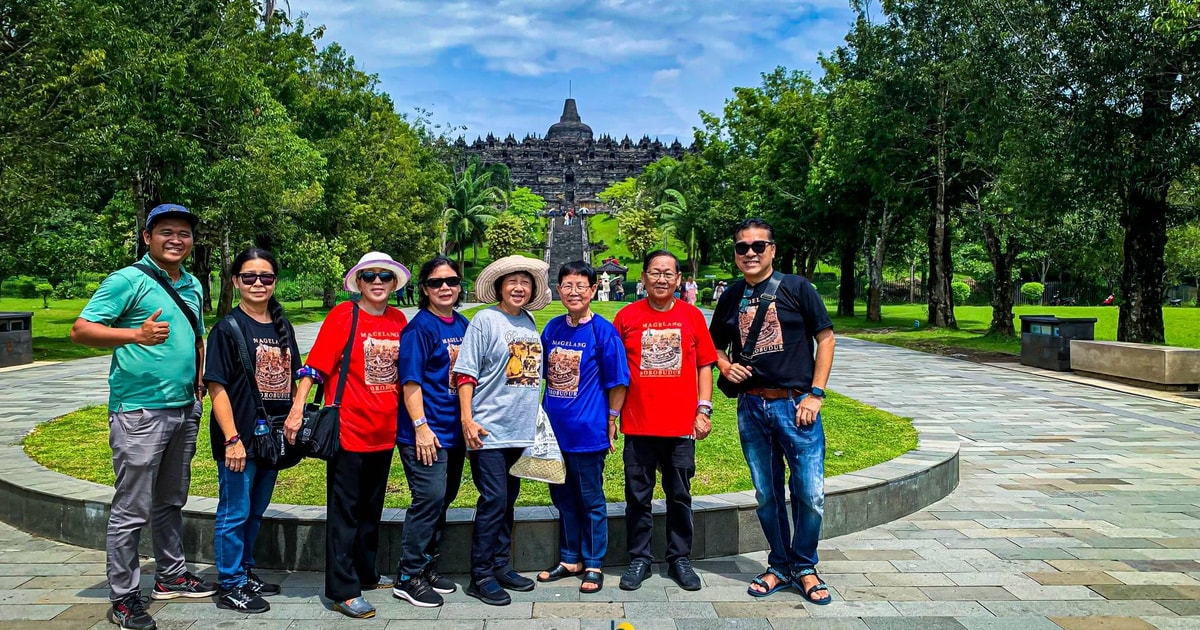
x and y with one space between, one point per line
591 576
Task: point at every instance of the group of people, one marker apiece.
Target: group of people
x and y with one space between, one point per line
446 393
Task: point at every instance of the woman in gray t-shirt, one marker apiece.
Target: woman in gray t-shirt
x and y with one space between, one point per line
498 373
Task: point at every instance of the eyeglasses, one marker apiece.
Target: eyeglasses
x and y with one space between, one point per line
758 246
370 276
437 283
249 279
661 275
577 289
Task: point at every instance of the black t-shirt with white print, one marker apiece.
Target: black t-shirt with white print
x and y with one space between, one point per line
784 354
274 368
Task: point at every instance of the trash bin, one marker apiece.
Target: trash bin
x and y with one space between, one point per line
16 338
1046 339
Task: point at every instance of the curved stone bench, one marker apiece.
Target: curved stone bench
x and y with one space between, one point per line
71 510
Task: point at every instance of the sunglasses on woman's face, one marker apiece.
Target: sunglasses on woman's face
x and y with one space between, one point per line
437 283
370 276
758 246
248 279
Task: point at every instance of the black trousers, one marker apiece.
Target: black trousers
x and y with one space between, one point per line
355 484
491 540
676 457
433 489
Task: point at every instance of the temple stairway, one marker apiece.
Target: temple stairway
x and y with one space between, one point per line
566 245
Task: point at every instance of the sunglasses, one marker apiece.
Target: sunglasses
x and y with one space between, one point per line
248 279
758 246
437 283
370 276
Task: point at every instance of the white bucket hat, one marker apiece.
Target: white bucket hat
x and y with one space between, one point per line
485 290
376 260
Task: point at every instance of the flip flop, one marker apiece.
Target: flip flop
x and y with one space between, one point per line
781 584
808 593
592 577
557 573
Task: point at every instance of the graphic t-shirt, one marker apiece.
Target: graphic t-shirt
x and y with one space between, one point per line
665 350
370 404
582 363
274 366
784 354
428 351
504 353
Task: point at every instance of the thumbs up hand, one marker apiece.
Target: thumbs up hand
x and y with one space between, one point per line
153 332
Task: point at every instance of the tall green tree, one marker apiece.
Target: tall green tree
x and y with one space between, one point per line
471 205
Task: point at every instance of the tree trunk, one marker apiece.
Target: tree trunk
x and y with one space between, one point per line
784 259
1144 220
875 258
912 281
1003 257
941 266
202 268
845 305
225 301
329 297
810 264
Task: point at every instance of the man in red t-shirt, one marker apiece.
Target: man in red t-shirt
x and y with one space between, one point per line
668 407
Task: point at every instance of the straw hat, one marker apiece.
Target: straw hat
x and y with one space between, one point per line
484 284
376 260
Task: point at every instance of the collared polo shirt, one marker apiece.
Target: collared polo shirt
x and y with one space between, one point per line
148 377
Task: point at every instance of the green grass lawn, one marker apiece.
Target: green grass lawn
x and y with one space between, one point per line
857 436
52 326
1182 326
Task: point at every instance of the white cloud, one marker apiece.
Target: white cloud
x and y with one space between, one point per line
667 75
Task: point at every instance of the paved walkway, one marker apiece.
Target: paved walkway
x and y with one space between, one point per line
1078 509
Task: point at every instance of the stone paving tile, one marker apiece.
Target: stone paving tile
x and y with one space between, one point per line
987 578
855 609
1122 591
1172 623
1066 608
942 609
578 610
522 610
723 624
674 610
770 607
1138 577
532 624
1102 623
818 624
882 593
657 623
913 623
908 579
967 593
1008 623
1043 593
10 612
1188 607
1089 565
1068 578
333 624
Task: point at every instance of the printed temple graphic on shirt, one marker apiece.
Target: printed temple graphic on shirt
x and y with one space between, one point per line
562 372
452 350
272 370
770 337
379 360
662 352
524 367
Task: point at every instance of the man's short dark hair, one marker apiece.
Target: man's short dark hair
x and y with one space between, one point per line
577 268
754 222
657 254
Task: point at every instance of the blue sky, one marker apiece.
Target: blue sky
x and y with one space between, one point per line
635 66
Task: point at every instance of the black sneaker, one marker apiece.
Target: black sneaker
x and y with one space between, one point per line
634 574
242 599
681 571
259 587
130 612
437 581
512 580
417 592
489 591
186 585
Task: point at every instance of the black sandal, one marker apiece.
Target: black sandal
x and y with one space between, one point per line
592 577
557 573
798 582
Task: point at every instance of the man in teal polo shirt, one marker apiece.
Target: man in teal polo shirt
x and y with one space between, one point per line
153 410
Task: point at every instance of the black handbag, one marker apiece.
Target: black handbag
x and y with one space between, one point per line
321 433
728 387
271 449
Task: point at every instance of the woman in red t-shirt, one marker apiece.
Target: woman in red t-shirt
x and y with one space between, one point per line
356 478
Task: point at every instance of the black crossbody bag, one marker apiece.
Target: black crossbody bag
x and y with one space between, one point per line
271 450
728 387
321 433
187 311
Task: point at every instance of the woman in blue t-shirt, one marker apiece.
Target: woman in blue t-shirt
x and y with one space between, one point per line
429 435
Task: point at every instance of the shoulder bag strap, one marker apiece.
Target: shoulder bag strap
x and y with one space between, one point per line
247 364
337 398
764 301
187 312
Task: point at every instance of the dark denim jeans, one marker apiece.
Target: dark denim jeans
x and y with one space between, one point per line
433 489
491 541
583 526
242 499
644 456
772 444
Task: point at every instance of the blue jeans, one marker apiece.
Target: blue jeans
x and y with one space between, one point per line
772 443
243 497
583 530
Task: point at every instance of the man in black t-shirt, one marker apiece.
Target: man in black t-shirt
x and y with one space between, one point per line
780 390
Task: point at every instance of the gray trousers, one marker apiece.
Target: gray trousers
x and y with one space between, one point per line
152 458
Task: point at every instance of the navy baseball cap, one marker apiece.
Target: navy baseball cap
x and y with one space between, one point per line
171 211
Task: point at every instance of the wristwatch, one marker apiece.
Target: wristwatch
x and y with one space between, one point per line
817 392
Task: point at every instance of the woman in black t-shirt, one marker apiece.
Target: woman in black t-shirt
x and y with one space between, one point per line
246 484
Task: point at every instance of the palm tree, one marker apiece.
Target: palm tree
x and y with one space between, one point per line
683 224
470 208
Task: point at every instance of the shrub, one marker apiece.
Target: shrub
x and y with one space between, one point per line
962 292
21 286
706 293
1032 291
44 289
287 291
90 289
